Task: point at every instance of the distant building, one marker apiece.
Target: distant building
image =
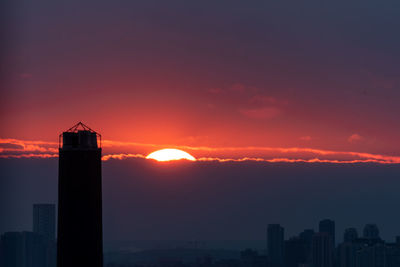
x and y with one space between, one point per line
44 220
322 250
12 249
347 254
393 255
35 249
251 258
275 245
44 225
328 226
371 231
307 236
350 234
295 252
23 249
372 256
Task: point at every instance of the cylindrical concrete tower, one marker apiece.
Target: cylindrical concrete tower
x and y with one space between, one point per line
79 233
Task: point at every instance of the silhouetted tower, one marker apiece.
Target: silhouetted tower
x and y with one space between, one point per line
371 231
307 236
275 245
80 238
322 250
328 226
350 234
44 220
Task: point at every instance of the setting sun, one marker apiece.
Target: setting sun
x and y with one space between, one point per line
168 154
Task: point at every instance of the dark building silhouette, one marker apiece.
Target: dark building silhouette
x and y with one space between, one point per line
251 258
12 249
44 225
23 249
328 226
373 255
35 250
322 250
80 241
307 236
275 245
295 252
44 220
346 254
350 234
392 255
371 231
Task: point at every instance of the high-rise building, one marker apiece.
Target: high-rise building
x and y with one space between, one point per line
392 255
350 234
23 249
44 220
35 250
347 253
322 250
79 238
295 252
275 245
43 241
307 236
12 249
328 226
373 255
371 231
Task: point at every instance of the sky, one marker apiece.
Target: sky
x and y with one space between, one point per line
234 83
211 73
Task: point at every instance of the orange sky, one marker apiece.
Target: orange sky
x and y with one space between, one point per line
242 75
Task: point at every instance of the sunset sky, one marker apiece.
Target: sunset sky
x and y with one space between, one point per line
216 74
291 109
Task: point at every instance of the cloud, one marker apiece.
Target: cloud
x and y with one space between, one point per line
23 146
20 156
288 160
354 138
261 113
122 156
13 148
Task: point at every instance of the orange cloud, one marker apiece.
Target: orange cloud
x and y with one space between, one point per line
13 148
15 145
122 156
276 160
20 156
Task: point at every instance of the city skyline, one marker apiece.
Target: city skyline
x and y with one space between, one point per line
214 191
309 247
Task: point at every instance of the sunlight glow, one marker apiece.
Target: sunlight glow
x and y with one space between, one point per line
168 154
